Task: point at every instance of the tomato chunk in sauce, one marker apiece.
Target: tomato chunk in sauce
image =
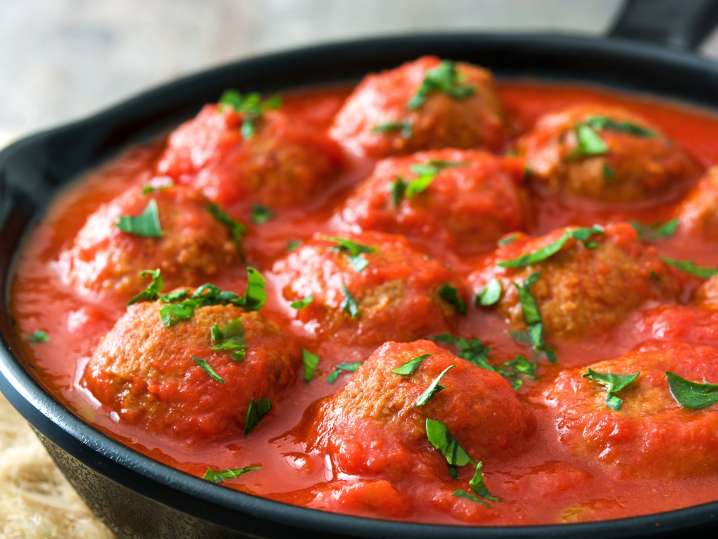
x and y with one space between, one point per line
433 297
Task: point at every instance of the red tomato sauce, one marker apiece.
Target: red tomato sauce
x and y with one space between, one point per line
545 484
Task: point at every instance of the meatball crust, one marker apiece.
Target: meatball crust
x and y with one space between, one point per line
395 296
685 323
584 288
281 165
698 213
706 295
474 199
382 100
103 260
373 426
638 163
145 372
651 435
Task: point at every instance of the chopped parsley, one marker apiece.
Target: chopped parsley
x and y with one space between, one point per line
229 337
547 251
293 245
425 175
260 214
441 439
514 369
409 368
397 190
657 231
490 294
353 250
613 384
349 304
442 78
301 303
343 367
206 367
236 229
434 387
257 409
472 350
38 337
152 292
218 476
310 361
405 129
692 395
451 296
689 267
251 106
604 122
145 225
589 143
532 317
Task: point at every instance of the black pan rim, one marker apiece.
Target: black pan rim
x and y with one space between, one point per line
177 489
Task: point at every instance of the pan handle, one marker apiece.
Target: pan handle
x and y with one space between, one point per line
682 24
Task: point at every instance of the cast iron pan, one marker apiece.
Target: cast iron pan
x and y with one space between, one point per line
138 497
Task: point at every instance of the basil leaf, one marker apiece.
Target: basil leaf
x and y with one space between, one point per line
174 313
257 409
451 296
547 251
236 229
472 350
689 267
349 304
255 295
293 245
218 476
657 231
38 337
613 384
206 367
353 250
343 367
250 106
443 78
260 214
588 142
608 173
461 493
604 122
692 395
408 368
514 369
532 317
229 338
310 362
433 388
145 225
397 190
477 485
508 240
490 294
441 439
152 292
301 303
404 128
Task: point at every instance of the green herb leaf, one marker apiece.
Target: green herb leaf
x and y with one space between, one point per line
514 369
451 296
145 225
508 240
478 486
443 78
310 362
426 173
408 368
343 367
250 106
293 245
257 409
152 292
218 476
613 384
608 173
604 122
588 142
397 190
353 250
404 128
349 304
472 350
689 267
532 317
260 214
236 229
255 296
657 231
433 388
206 367
149 188
547 251
461 493
230 337
38 337
692 395
306 301
441 439
174 313
490 294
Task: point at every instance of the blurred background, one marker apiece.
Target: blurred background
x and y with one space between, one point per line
63 59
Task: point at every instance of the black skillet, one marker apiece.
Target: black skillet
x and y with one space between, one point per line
138 497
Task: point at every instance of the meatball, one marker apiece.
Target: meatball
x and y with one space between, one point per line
152 375
390 291
650 435
374 426
605 154
685 323
106 259
698 213
473 198
587 286
457 106
281 165
706 295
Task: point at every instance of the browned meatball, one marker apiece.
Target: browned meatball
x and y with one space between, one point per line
698 213
193 246
389 291
149 374
473 198
605 154
706 295
460 109
587 286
